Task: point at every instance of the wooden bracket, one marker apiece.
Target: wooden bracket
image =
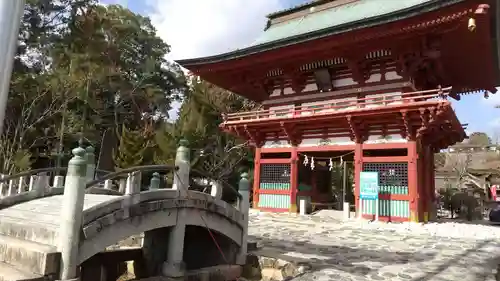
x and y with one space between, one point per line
424 117
355 134
297 78
408 133
359 70
257 138
291 134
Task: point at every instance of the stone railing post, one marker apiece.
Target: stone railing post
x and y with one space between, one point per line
32 184
216 189
183 162
154 183
122 185
42 182
58 182
108 184
244 206
174 266
71 214
3 186
22 184
133 183
90 158
12 188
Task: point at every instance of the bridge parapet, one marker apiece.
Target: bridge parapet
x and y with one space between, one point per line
86 224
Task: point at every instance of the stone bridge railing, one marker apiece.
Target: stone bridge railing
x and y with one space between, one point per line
81 178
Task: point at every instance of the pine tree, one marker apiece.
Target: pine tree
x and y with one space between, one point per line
134 145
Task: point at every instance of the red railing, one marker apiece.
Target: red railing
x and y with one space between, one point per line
332 106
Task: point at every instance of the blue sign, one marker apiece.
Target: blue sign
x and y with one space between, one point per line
368 185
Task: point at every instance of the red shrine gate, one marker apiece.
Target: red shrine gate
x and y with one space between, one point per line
372 83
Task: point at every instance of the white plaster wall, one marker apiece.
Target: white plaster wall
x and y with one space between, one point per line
311 87
314 142
395 98
392 138
279 111
309 142
351 104
392 75
343 82
277 92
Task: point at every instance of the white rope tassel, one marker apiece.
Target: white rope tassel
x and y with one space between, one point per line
312 163
306 160
330 165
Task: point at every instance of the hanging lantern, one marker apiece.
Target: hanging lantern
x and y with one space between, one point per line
312 163
306 160
472 24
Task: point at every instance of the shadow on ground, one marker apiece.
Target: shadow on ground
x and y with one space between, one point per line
365 260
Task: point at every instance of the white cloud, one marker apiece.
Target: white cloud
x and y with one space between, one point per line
195 28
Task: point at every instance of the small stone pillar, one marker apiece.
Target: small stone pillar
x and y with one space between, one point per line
183 164
58 182
12 188
108 184
133 183
90 157
71 215
174 266
216 189
42 182
32 184
302 206
244 190
154 183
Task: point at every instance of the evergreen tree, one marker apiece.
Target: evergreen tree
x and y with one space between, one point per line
133 148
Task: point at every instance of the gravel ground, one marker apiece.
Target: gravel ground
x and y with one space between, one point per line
359 250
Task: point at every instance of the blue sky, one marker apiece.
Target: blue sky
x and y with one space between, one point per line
226 25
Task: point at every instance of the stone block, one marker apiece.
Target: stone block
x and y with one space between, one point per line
11 273
28 231
29 256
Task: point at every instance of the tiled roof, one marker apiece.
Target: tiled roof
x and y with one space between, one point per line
294 8
348 13
336 20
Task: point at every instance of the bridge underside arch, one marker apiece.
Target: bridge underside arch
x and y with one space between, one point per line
201 251
110 231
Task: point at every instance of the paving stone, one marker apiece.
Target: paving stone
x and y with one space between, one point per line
338 251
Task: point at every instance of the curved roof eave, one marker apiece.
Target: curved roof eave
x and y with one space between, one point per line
310 36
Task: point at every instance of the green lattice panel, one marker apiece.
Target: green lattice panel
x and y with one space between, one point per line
274 186
278 201
387 208
396 190
392 177
275 176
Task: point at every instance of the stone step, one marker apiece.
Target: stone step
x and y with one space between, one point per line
27 230
11 273
29 256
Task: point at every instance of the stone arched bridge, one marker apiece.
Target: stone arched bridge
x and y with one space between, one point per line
37 244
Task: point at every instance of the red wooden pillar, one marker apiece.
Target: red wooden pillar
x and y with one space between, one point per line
358 168
413 181
432 185
256 178
294 179
423 174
